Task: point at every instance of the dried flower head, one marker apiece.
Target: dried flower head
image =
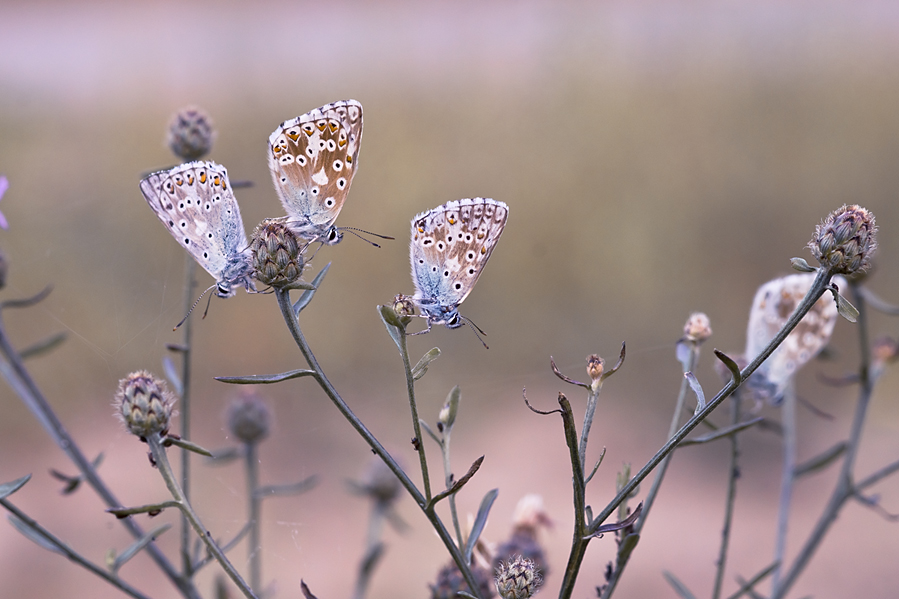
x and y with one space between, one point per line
698 328
595 366
518 579
144 404
450 581
380 483
249 418
845 240
403 306
277 253
190 133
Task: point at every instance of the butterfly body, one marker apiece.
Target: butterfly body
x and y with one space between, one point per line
449 247
312 159
774 303
197 205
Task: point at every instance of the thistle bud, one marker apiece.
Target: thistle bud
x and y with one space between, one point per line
249 419
450 581
144 404
190 133
698 328
277 253
845 240
518 579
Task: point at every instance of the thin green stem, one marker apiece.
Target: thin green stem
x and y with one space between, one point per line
72 555
186 334
26 388
592 396
448 481
165 469
790 434
578 550
293 325
732 475
416 425
254 505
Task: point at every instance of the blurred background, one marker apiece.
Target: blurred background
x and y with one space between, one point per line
658 158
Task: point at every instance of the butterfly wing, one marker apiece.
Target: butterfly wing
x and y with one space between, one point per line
312 159
449 247
196 204
774 303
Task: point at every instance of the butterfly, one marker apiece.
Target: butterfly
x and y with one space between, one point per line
195 202
312 159
774 303
449 248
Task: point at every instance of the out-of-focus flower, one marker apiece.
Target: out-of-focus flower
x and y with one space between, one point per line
4 185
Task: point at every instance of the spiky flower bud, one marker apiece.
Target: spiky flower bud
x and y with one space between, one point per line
190 133
595 366
518 579
450 581
698 328
845 240
144 404
380 483
249 418
277 253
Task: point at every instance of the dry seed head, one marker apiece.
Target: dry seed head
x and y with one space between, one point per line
698 328
249 418
144 404
845 240
190 133
277 253
595 366
518 579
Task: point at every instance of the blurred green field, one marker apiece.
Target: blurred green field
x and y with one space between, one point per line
657 159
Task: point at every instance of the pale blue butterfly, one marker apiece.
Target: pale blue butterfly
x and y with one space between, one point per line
312 159
449 248
197 205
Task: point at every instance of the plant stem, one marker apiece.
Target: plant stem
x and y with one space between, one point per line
448 481
788 423
24 386
416 425
293 325
254 501
818 288
165 469
732 476
844 488
189 290
592 396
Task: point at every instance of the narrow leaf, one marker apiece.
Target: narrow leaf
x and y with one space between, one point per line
457 486
801 265
265 379
7 489
185 444
392 322
820 461
306 296
428 430
42 346
421 368
845 308
721 432
220 457
679 587
697 389
34 536
171 373
287 490
135 547
480 522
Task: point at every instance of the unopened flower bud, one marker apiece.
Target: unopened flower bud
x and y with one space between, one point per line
249 419
190 133
595 367
144 404
518 579
698 328
845 241
277 253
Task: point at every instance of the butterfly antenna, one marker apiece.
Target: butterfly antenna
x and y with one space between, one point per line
476 330
194 306
354 230
208 302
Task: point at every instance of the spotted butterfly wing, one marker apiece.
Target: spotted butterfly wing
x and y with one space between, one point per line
450 246
312 159
197 205
774 303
